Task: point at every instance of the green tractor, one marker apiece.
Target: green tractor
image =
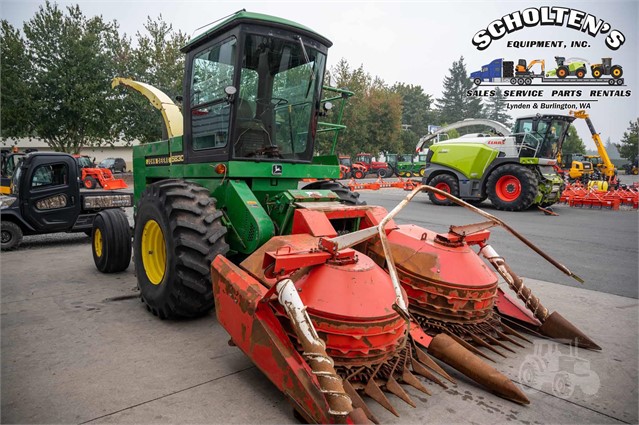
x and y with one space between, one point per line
515 171
576 67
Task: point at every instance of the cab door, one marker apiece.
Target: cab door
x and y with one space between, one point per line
50 193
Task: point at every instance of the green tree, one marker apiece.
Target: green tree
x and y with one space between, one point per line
495 108
372 115
14 87
628 148
455 105
71 70
157 60
573 143
417 114
611 148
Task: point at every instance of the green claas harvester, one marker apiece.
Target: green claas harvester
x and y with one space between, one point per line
302 278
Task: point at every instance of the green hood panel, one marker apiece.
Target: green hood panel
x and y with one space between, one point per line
470 159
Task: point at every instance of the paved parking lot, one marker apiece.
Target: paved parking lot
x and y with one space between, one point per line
78 346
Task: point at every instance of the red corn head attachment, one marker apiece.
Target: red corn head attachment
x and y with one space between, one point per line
553 325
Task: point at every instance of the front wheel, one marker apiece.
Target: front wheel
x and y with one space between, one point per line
563 72
445 183
90 182
597 72
358 174
616 71
111 241
512 187
178 233
11 235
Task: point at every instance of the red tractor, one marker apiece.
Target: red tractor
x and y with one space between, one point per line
347 169
93 177
365 160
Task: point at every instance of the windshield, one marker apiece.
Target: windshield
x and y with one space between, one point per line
345 161
542 142
10 163
280 82
84 162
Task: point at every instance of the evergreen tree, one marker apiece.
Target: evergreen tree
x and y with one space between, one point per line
496 107
628 148
417 114
573 143
454 104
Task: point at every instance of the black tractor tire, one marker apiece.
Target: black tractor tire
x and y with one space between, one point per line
384 172
580 73
358 174
447 183
11 235
512 187
90 182
562 72
184 223
345 194
616 71
111 241
477 81
597 72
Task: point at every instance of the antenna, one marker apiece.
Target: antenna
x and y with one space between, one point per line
217 20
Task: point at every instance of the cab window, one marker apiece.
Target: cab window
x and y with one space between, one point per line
210 112
50 175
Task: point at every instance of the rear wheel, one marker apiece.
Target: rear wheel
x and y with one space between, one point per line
178 232
446 183
90 182
10 235
111 241
616 71
580 73
512 187
384 172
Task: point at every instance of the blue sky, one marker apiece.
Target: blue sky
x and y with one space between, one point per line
412 42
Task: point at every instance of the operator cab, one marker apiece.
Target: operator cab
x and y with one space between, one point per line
253 86
541 136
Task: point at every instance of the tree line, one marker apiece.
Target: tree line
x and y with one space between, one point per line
56 76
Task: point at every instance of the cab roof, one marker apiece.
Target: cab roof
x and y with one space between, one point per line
243 16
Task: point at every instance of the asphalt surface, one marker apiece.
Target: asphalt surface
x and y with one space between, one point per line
600 246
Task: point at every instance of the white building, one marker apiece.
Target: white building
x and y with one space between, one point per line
120 149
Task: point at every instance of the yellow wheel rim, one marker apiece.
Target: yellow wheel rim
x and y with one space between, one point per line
422 172
97 242
153 252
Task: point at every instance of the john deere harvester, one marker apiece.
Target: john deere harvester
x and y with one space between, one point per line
304 280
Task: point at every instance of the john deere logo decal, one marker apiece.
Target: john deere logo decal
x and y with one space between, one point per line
277 170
